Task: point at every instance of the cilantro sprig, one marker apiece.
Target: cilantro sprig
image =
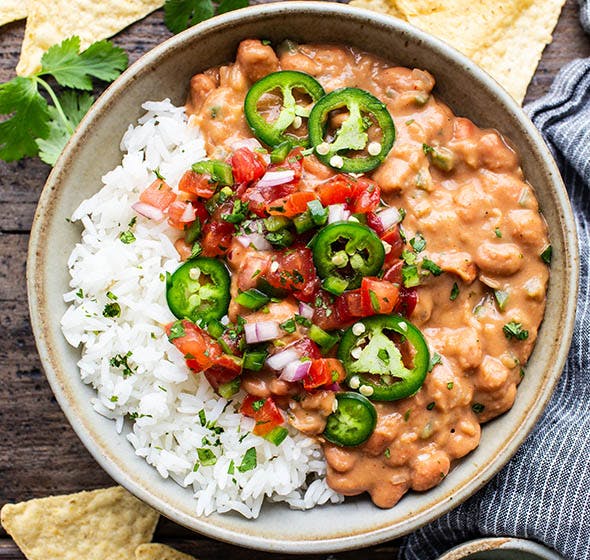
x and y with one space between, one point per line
182 14
36 127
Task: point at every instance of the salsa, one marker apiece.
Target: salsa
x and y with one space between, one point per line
361 264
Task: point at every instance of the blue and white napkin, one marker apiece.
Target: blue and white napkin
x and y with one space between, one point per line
543 493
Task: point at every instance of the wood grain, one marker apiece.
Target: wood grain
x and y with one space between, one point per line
39 452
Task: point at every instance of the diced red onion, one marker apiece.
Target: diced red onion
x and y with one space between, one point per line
148 211
334 387
337 213
281 359
275 178
262 331
305 310
295 371
189 214
256 240
389 217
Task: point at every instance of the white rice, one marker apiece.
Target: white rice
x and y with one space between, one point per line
167 402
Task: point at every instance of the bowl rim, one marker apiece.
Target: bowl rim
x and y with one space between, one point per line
465 550
200 524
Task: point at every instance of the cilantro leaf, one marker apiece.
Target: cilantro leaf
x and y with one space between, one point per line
30 115
229 5
70 68
182 14
74 107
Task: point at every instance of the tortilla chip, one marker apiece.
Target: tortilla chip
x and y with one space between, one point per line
514 56
51 21
154 551
99 525
11 10
506 37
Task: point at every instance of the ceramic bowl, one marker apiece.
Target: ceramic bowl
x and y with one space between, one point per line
94 149
500 548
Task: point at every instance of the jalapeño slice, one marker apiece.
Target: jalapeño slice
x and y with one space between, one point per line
364 110
273 133
344 252
353 421
373 360
199 290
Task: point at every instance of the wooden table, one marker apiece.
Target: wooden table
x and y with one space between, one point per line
39 452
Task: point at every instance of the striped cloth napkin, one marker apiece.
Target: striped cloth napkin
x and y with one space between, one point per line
543 493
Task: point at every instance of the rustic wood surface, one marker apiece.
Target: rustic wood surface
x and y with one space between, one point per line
39 453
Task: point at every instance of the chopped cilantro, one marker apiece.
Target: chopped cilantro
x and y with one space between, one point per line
450 385
515 330
127 237
498 232
231 468
432 267
249 461
289 326
303 321
477 407
435 359
176 330
430 405
111 310
407 414
418 243
547 254
387 453
121 361
454 292
257 405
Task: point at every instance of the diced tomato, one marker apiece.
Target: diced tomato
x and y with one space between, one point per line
408 298
375 224
181 214
200 211
378 296
264 411
336 190
295 273
159 194
348 306
324 371
197 184
216 238
306 347
247 166
183 248
291 205
393 237
226 369
258 197
366 196
394 274
199 349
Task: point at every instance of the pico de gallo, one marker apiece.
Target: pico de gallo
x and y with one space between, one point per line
359 262
332 251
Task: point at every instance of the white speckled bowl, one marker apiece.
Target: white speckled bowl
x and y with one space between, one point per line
94 149
500 548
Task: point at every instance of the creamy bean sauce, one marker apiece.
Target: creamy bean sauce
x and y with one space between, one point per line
482 226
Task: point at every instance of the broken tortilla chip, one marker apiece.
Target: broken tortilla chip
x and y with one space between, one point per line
11 10
506 38
51 21
155 551
99 525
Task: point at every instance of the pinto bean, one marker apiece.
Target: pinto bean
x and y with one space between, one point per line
503 259
428 469
201 86
256 60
